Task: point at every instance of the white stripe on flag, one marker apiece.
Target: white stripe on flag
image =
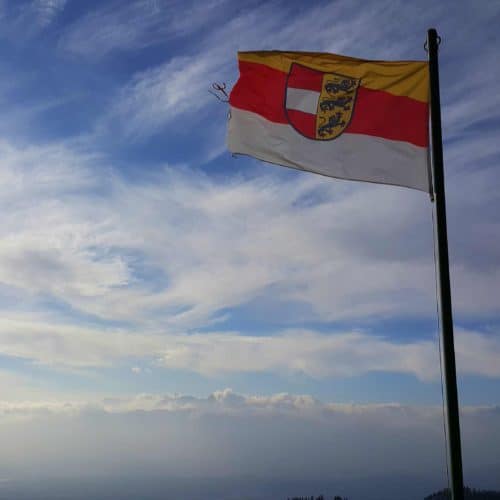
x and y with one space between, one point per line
302 100
350 156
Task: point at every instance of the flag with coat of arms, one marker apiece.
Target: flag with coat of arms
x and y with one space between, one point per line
333 115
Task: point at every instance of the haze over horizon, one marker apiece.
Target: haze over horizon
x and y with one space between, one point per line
169 311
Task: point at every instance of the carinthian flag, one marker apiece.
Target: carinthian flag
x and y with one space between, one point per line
333 115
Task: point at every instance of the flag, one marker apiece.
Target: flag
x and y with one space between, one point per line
333 115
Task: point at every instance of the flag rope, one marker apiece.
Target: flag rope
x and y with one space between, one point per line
438 336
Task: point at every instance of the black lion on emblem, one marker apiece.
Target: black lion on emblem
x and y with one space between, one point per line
339 102
333 121
345 85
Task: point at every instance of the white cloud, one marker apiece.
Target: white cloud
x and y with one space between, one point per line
318 355
44 248
84 236
114 27
220 402
18 387
301 352
73 346
21 21
326 355
160 94
48 10
135 25
180 251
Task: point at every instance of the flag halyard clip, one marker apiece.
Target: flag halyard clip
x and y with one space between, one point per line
220 91
426 47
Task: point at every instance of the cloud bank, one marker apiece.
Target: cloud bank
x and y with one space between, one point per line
230 435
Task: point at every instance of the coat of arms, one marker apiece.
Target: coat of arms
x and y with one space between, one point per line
319 105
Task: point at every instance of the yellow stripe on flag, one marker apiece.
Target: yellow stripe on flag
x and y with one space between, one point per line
401 78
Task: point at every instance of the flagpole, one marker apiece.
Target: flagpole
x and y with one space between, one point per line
450 376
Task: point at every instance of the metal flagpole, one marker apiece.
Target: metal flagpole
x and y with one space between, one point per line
450 376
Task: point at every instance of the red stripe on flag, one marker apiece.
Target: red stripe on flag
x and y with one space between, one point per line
261 89
303 122
385 115
301 77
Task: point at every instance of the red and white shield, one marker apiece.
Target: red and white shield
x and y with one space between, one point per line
319 105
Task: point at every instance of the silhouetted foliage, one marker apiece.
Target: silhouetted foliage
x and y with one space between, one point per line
312 497
469 494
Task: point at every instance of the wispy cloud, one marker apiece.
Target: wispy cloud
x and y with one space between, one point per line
158 96
304 352
87 240
320 355
131 26
48 10
23 20
77 232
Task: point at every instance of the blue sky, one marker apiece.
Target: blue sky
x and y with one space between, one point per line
138 257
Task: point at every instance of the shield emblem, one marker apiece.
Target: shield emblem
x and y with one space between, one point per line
319 105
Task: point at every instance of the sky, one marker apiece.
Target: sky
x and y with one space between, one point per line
167 308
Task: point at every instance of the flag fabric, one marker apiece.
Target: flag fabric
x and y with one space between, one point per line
333 115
